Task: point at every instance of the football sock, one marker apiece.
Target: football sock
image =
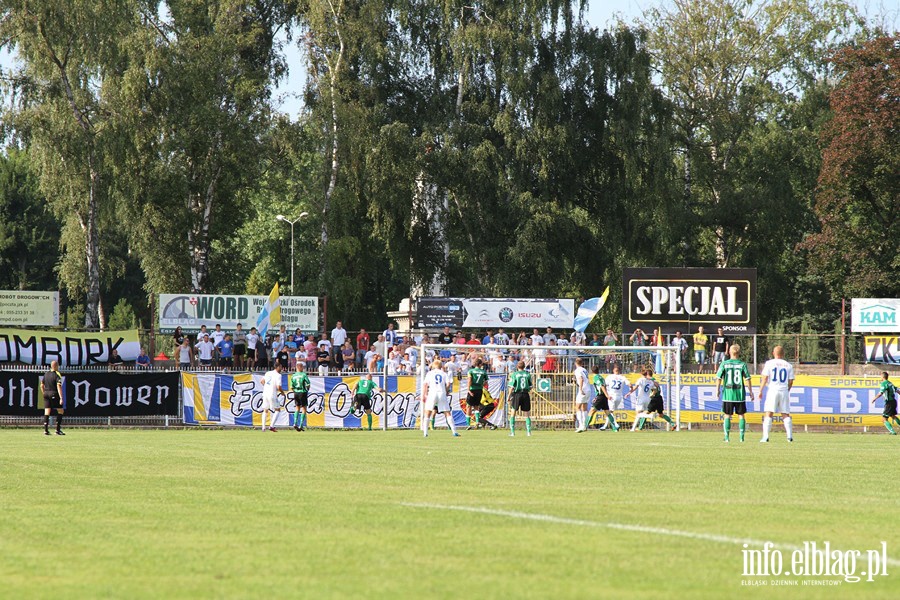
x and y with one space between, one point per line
897 420
304 420
478 417
742 425
468 420
432 421
528 425
369 420
58 421
612 421
582 417
47 423
767 426
296 418
451 423
789 427
727 427
888 425
512 424
668 419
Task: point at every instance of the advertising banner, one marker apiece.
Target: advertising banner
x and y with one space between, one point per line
190 311
224 399
684 299
69 348
32 309
483 313
883 349
875 315
93 394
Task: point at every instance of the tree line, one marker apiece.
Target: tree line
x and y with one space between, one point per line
486 148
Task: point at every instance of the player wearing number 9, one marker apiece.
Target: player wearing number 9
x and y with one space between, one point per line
778 374
436 397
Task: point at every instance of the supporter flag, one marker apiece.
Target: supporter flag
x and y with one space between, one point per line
660 358
587 311
271 312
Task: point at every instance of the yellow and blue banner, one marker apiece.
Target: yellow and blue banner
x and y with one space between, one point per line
236 400
271 312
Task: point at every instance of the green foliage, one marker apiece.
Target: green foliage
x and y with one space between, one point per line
122 317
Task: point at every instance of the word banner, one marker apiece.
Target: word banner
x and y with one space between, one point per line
191 311
69 348
685 299
224 399
875 315
20 393
120 394
883 349
32 309
482 313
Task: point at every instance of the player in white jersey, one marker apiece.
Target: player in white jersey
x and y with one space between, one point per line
436 397
779 375
616 384
643 387
271 391
582 394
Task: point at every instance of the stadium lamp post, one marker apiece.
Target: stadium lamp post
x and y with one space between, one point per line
292 223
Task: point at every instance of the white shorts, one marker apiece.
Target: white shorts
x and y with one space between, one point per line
638 407
777 400
441 402
581 398
616 403
271 402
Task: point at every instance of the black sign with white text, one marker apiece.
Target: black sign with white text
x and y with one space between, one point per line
685 299
120 394
20 393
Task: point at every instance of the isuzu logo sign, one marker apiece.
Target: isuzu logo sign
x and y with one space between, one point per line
684 299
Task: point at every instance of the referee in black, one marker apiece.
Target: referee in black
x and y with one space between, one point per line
52 384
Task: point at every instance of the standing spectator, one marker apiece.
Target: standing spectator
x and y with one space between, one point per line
240 346
445 337
309 346
501 339
252 344
324 342
362 346
578 339
262 354
682 345
184 355
338 335
489 338
638 338
323 357
700 341
413 356
473 340
282 357
521 339
460 338
371 360
281 337
217 335
205 350
298 338
610 339
142 361
536 338
178 337
202 332
348 355
390 336
720 347
595 340
379 345
549 335
226 352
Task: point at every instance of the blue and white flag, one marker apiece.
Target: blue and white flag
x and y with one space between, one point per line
588 310
271 312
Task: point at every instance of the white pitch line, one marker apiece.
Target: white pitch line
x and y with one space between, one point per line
709 537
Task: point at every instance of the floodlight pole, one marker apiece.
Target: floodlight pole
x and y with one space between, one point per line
292 223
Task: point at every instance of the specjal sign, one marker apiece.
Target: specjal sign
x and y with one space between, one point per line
685 299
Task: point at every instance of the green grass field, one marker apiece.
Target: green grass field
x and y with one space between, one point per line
242 514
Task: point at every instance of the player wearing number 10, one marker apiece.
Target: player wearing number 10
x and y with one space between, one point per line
779 375
731 377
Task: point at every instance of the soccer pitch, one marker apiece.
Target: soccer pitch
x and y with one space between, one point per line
242 514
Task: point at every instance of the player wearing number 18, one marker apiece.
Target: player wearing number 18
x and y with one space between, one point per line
300 384
889 391
731 377
779 375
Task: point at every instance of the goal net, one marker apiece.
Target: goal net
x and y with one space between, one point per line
553 384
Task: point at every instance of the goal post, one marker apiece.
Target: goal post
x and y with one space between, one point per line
552 367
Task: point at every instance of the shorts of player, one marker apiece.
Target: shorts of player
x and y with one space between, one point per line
520 401
362 401
640 407
251 353
617 403
473 398
54 402
656 405
601 402
485 410
439 402
301 399
890 409
270 402
240 350
225 361
581 398
777 400
734 408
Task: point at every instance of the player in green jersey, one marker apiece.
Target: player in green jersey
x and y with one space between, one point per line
520 401
362 398
299 383
601 399
889 391
477 381
731 375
